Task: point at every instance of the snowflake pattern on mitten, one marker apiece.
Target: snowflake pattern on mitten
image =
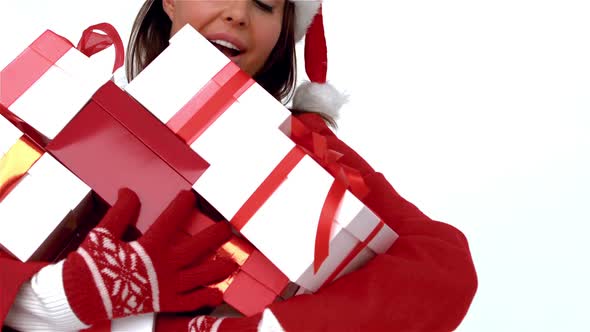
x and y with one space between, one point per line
123 273
204 324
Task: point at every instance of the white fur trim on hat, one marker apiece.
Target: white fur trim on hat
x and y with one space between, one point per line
305 10
319 98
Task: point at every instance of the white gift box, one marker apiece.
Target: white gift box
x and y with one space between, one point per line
184 78
49 82
38 206
238 166
166 85
285 227
9 134
136 323
243 146
141 323
186 67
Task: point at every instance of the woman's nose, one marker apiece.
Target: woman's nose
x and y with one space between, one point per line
236 12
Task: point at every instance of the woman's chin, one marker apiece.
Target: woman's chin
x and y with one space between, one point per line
238 60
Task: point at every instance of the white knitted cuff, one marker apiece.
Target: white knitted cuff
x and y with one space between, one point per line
42 305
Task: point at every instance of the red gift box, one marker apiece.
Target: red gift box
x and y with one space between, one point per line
114 143
257 283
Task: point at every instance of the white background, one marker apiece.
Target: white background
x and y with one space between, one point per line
476 111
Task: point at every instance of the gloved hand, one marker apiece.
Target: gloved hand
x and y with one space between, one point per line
163 271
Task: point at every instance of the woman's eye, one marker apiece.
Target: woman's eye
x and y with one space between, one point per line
264 6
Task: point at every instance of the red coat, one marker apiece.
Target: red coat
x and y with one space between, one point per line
425 282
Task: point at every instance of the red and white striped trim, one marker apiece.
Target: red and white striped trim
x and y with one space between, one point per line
152 276
204 324
98 281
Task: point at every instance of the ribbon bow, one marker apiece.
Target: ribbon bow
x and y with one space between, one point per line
91 42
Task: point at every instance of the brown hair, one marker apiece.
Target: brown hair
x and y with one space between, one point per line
151 32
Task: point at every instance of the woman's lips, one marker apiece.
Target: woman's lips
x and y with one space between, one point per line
228 44
228 40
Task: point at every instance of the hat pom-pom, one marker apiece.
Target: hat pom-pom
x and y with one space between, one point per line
319 98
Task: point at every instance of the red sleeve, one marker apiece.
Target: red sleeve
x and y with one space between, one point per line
425 282
13 274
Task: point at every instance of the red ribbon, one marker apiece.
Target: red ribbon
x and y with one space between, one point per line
45 51
345 178
317 146
354 252
327 216
267 188
91 42
210 102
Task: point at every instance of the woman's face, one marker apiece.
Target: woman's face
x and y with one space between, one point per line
246 31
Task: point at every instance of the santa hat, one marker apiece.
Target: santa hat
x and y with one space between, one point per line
317 95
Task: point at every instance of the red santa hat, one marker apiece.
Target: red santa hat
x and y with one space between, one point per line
317 95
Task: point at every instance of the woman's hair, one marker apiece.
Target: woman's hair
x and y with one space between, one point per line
150 35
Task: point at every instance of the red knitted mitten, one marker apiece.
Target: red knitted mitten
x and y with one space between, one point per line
163 271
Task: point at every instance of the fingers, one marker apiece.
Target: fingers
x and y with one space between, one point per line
202 244
203 297
122 214
208 273
177 212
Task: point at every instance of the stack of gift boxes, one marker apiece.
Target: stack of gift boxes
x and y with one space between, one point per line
191 119
33 226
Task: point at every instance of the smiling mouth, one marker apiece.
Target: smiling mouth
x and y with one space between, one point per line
227 48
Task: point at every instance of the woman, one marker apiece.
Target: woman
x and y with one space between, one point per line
425 282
